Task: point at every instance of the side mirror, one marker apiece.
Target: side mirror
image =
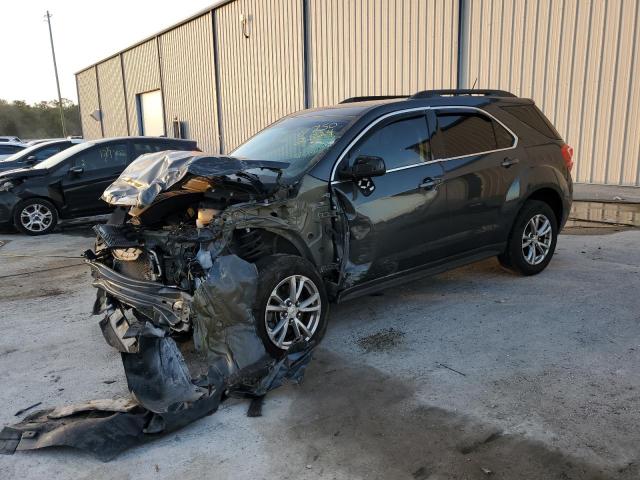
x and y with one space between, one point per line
76 170
365 166
31 159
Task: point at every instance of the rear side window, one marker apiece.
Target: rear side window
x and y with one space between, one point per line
102 157
7 149
142 147
46 152
399 144
469 133
533 117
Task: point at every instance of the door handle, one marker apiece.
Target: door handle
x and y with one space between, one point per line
430 183
507 162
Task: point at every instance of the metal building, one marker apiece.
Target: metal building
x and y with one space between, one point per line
225 73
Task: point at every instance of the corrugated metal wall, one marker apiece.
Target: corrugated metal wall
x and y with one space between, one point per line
186 55
261 77
141 74
579 61
89 102
381 47
114 112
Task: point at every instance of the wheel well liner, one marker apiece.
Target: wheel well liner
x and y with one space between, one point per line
551 198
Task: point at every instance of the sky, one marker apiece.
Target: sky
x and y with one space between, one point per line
84 31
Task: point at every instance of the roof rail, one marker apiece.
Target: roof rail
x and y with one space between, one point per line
460 91
372 97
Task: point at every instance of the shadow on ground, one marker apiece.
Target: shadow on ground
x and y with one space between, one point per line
362 423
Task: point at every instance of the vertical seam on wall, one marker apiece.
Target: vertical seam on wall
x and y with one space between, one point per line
561 42
630 86
603 41
164 109
584 83
461 42
79 106
216 74
99 99
124 89
573 68
306 44
613 90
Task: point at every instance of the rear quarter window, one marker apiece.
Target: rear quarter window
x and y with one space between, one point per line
533 117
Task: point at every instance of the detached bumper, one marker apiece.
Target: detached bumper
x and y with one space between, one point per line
165 306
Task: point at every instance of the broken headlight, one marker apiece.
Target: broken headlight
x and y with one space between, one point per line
6 186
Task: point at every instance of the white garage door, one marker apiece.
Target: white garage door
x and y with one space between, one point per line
151 113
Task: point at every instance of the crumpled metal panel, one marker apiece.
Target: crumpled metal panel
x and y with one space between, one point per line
224 325
147 176
171 390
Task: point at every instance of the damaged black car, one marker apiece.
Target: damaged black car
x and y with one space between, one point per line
215 273
332 203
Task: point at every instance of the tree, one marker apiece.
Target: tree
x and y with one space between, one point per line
40 120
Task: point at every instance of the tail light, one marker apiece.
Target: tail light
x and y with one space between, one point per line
567 154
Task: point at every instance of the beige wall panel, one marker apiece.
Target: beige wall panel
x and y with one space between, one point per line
261 77
381 47
188 80
114 112
88 98
576 59
141 74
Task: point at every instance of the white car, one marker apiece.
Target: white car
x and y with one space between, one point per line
8 148
10 139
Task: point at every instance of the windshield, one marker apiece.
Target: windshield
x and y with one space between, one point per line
300 141
54 160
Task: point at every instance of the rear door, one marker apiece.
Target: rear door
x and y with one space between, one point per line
90 172
480 162
394 220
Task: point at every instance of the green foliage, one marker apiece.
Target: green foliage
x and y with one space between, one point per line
40 120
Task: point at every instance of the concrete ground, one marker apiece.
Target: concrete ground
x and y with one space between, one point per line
471 374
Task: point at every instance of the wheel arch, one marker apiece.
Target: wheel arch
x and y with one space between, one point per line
551 197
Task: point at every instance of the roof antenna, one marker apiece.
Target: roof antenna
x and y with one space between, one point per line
474 83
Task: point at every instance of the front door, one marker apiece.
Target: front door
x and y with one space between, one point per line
90 172
394 220
480 163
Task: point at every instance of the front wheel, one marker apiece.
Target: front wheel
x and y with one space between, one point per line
291 303
532 241
35 216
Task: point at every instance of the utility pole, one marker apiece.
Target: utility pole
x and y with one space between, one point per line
55 68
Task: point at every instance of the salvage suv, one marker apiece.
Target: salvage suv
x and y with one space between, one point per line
329 204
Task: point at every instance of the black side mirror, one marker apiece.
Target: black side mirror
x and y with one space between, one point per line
76 170
365 166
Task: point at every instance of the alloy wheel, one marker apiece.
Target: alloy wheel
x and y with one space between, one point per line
36 217
292 311
536 239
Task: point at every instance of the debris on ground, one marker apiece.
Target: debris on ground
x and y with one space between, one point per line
26 409
382 341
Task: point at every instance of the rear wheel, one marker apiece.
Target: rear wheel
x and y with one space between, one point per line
291 303
532 241
35 216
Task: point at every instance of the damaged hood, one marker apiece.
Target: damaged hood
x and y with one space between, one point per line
153 173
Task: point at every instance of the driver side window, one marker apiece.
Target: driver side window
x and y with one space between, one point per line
102 157
400 144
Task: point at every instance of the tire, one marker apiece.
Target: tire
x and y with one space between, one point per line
534 257
274 277
35 216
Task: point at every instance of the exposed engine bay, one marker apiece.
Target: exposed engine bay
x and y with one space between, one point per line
175 269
